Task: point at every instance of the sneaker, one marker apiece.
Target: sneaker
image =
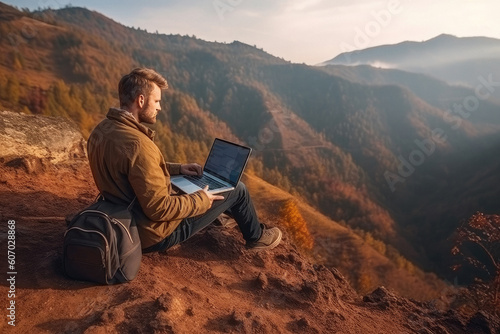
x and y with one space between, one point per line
269 239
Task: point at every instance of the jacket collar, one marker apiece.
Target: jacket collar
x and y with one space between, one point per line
127 118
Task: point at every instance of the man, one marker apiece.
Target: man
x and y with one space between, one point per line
126 164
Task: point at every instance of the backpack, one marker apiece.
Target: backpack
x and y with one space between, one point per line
102 244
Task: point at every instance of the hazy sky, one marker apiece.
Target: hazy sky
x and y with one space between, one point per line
302 31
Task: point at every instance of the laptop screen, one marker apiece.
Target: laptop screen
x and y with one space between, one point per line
227 160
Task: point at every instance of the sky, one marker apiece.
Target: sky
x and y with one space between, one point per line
301 31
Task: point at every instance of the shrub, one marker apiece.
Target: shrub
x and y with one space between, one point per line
295 224
478 242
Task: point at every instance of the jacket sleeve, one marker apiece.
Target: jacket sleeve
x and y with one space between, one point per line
150 179
173 168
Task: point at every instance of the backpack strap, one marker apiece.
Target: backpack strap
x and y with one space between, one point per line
98 198
101 197
129 207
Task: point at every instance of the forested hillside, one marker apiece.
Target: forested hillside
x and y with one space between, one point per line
341 144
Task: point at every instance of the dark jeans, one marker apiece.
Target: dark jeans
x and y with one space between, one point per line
237 203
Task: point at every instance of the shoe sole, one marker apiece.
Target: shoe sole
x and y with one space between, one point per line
271 246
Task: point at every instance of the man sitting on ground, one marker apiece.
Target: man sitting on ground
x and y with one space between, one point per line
126 163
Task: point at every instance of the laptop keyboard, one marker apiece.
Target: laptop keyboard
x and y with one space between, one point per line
203 180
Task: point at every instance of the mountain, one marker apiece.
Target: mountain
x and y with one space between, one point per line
465 171
386 162
209 284
452 59
435 92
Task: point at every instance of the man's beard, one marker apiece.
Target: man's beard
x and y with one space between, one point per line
144 117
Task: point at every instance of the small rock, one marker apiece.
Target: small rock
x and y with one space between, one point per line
380 294
236 319
310 290
303 323
483 323
262 281
112 316
190 311
164 301
31 165
161 324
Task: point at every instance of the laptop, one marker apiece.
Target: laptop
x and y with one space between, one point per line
222 170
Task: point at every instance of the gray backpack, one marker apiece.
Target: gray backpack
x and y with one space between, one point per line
102 244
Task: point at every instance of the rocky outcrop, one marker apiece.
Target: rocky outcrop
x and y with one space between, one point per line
34 141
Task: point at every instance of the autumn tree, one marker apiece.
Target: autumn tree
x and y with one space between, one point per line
12 90
17 61
65 101
364 282
295 224
36 100
478 242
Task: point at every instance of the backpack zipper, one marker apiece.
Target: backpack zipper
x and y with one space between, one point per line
88 231
114 220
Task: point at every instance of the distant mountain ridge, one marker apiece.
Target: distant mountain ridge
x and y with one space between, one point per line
444 48
449 58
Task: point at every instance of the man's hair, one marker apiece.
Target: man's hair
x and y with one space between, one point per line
139 81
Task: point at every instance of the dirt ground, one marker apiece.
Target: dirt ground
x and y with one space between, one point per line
209 284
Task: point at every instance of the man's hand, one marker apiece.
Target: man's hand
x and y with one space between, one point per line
211 197
191 169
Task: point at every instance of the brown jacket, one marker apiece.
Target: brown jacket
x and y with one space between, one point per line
125 162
